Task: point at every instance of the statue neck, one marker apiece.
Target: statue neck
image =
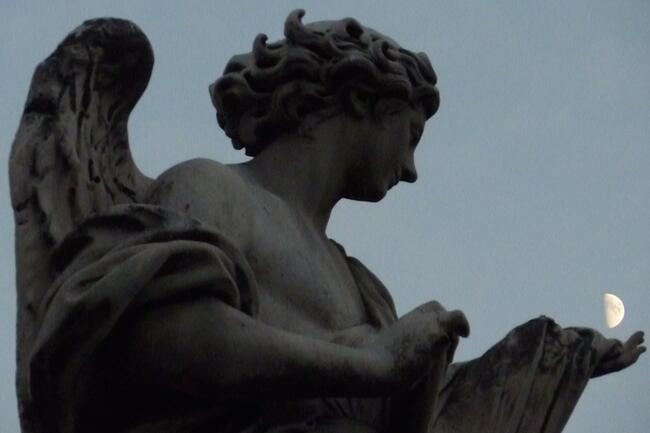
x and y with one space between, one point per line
308 171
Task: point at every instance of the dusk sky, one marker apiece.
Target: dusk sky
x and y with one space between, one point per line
533 194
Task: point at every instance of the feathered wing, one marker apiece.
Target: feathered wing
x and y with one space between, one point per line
71 158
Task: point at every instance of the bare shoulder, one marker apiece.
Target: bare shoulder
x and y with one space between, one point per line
206 190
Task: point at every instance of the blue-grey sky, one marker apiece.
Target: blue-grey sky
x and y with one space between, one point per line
534 188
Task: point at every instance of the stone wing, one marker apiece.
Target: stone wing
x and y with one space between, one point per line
70 158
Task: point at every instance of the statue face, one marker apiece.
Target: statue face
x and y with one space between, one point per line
385 153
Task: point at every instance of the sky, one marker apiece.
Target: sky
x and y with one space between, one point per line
533 194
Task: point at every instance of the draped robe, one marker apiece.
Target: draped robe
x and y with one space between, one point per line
135 258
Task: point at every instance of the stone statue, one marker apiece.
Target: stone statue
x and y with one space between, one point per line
210 299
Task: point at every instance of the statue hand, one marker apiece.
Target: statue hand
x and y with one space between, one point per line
417 339
612 355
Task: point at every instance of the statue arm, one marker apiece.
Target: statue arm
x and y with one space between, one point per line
208 348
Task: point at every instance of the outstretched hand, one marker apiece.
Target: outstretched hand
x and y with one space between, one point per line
612 355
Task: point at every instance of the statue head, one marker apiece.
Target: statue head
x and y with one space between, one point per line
318 71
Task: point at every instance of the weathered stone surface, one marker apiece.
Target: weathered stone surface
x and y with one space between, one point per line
210 299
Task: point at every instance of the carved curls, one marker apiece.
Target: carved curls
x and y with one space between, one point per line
269 91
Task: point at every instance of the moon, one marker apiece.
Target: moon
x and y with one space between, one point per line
614 310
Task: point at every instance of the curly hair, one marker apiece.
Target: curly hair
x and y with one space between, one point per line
271 90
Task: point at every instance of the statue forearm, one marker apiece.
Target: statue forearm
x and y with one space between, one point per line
210 349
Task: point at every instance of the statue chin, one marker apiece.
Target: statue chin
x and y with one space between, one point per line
369 195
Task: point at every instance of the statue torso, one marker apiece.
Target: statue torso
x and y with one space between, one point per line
305 285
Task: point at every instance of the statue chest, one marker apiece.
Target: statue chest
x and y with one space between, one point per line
305 284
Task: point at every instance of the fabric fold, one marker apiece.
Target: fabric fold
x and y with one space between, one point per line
131 258
135 258
529 382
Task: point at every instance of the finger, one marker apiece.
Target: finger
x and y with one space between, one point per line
454 323
636 353
635 340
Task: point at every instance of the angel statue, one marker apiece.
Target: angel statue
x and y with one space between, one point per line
210 299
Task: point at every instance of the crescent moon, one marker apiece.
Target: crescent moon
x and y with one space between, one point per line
614 310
